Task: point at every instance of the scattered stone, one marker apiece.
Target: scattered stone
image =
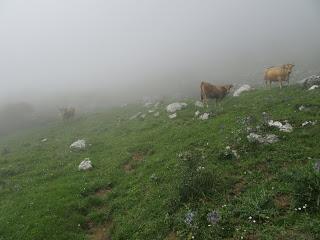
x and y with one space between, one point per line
156 104
231 152
78 145
313 87
154 177
235 153
173 107
151 111
199 104
157 114
85 165
171 116
44 140
309 123
301 108
310 81
243 88
196 114
135 116
148 104
267 139
200 168
282 127
143 116
204 116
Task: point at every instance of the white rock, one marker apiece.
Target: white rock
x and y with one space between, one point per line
148 104
78 145
235 154
282 127
309 123
301 108
268 139
156 104
44 140
135 116
196 113
156 114
85 164
143 116
151 111
204 116
253 137
199 104
173 107
171 116
313 87
271 138
243 88
310 81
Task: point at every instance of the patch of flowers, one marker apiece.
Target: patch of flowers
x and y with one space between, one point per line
301 208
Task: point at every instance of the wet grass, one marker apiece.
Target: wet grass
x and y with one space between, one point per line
176 166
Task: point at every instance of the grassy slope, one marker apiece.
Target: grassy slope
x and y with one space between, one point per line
44 196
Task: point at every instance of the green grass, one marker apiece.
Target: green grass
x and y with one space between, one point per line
147 177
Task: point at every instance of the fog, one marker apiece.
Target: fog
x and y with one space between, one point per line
102 53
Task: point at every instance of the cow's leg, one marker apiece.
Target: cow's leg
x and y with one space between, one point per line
266 82
269 84
206 100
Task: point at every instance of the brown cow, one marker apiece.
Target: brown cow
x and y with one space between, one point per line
67 113
278 74
214 92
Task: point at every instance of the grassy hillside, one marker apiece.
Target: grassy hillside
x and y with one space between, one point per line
161 178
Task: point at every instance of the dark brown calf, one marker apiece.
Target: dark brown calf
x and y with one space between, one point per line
214 92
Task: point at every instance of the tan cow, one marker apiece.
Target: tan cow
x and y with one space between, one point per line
278 74
213 91
67 113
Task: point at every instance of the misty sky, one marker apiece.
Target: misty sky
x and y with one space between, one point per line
53 47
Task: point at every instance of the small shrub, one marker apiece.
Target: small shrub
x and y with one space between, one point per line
307 189
198 181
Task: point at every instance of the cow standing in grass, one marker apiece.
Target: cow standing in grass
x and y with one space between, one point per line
67 113
214 92
278 74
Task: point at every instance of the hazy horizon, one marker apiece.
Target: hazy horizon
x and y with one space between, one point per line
126 49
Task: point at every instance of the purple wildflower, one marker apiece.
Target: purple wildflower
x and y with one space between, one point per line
317 166
213 217
189 218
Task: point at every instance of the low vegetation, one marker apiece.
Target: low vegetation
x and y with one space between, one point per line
161 178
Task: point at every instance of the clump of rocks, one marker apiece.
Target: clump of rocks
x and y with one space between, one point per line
85 165
262 139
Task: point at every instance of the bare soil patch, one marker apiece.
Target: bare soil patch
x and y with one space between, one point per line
101 232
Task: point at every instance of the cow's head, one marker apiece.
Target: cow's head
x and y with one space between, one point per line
289 67
229 87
